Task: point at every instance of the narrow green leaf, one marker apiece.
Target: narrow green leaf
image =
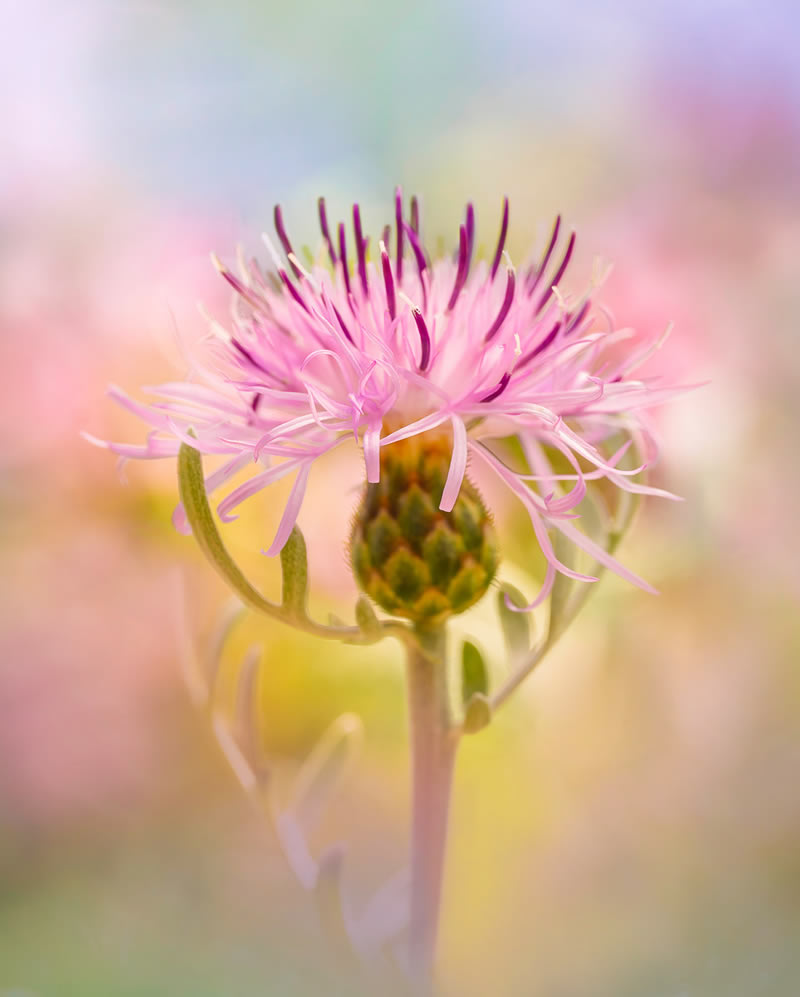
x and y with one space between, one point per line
516 626
198 512
474 674
365 616
294 563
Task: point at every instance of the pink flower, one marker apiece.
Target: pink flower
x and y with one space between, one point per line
398 345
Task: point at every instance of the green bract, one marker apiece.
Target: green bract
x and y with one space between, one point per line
411 558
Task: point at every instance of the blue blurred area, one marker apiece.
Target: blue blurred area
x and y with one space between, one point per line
237 105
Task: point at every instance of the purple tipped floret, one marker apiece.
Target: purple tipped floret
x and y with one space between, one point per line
236 284
558 274
501 242
245 353
415 214
574 321
501 387
293 290
537 275
424 338
361 248
280 228
326 235
398 217
463 267
548 339
419 257
505 308
388 280
343 257
345 330
470 226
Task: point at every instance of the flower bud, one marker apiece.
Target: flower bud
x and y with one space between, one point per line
411 558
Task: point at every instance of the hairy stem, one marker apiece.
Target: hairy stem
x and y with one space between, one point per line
434 742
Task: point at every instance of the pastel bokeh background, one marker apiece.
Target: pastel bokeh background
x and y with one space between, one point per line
630 825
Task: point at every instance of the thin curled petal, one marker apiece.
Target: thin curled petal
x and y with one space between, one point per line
458 465
292 509
372 452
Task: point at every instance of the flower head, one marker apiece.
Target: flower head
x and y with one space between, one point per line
391 345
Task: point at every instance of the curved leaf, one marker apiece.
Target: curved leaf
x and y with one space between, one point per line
474 674
198 513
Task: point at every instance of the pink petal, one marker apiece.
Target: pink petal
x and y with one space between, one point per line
458 465
372 451
291 511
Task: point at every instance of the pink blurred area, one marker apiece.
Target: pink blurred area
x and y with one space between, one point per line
93 289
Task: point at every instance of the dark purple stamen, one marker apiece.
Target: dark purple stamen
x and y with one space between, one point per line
548 339
419 256
323 224
388 280
575 321
287 246
246 353
463 267
398 217
343 258
537 274
415 214
501 242
470 225
505 308
424 338
345 330
361 248
255 401
501 387
237 285
558 274
293 290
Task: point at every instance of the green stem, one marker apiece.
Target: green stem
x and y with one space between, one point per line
434 742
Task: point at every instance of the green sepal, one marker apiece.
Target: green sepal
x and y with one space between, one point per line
516 626
474 674
198 512
294 564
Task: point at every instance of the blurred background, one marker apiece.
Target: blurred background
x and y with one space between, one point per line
630 825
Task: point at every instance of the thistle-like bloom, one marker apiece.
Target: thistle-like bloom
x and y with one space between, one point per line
391 345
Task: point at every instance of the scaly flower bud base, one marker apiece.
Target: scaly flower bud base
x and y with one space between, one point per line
411 558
